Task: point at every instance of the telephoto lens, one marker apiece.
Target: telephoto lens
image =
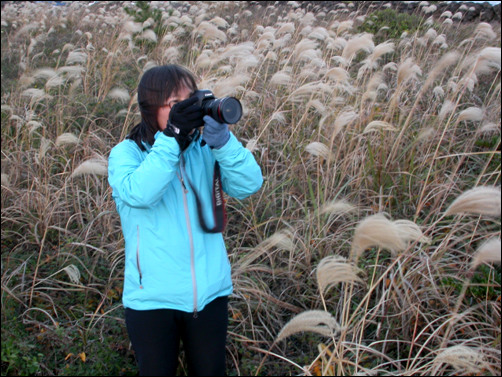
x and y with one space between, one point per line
224 110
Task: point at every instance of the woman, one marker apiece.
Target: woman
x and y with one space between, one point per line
177 273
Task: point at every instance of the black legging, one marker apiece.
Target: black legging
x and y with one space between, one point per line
155 336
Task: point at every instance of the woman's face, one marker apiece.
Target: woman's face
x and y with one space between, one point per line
163 112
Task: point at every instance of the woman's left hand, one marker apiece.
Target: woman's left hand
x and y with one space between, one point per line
215 134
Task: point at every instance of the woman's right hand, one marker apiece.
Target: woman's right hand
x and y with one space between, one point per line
185 116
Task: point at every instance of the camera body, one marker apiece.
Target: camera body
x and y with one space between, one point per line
224 110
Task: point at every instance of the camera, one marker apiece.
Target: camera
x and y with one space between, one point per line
224 110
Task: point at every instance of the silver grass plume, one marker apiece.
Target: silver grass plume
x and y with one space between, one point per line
462 358
482 200
35 94
338 74
210 32
488 60
441 66
318 321
337 206
219 22
281 78
344 26
278 117
438 92
447 108
44 73
93 166
119 94
489 127
288 27
318 149
489 251
5 180
78 57
343 119
426 134
473 114
377 125
371 62
362 42
335 269
44 147
228 86
252 145
311 88
281 240
317 105
302 46
485 31
407 71
482 62
378 230
67 138
73 273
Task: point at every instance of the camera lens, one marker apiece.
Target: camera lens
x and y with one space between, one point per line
228 110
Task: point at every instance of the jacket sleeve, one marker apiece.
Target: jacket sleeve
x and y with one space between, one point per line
141 181
240 173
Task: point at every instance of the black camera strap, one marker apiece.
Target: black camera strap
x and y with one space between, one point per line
218 202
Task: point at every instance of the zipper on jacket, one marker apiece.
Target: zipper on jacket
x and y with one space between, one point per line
190 236
137 261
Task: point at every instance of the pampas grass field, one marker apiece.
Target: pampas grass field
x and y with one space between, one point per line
373 247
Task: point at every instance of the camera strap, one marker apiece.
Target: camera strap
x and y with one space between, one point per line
218 202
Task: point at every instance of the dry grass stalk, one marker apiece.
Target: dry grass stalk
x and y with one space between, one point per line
482 200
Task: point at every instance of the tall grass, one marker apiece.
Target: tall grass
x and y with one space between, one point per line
373 246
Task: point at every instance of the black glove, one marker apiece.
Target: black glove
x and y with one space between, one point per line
185 116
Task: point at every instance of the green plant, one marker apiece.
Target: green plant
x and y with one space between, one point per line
393 22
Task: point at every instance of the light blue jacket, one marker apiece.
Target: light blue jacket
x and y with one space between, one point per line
170 262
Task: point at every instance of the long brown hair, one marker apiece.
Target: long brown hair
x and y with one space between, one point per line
156 86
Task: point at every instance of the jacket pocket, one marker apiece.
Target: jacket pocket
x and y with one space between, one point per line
138 265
